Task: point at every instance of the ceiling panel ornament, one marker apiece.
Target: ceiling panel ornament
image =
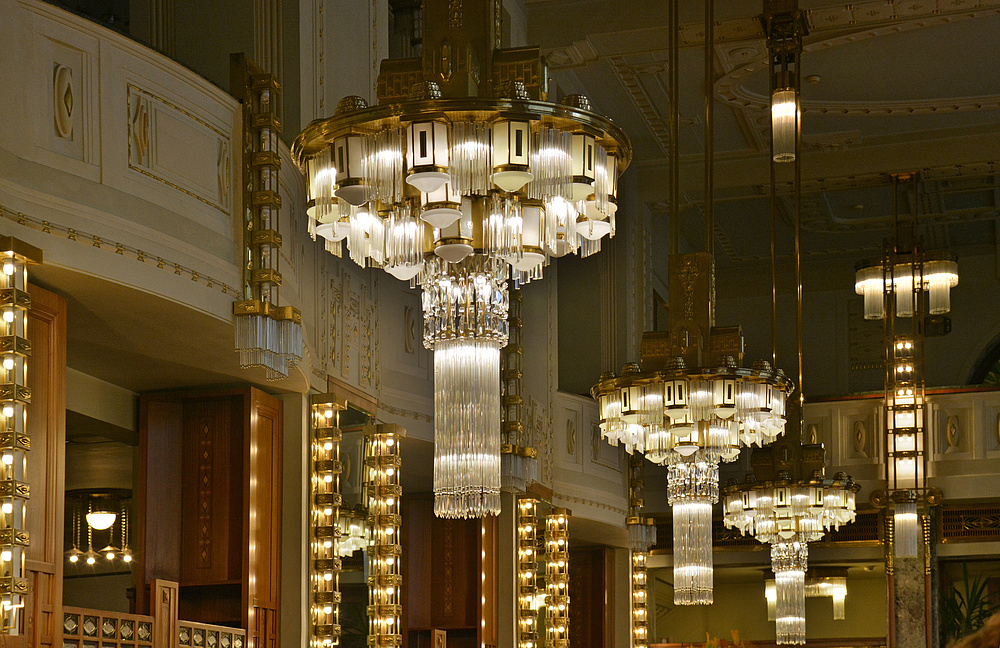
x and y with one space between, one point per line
739 63
629 77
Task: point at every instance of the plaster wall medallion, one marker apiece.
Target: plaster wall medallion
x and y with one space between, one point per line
951 434
860 435
62 101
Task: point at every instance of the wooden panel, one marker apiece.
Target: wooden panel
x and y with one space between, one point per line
591 615
263 515
46 425
211 449
210 513
158 528
488 568
441 569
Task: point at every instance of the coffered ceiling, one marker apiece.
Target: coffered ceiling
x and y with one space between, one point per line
889 86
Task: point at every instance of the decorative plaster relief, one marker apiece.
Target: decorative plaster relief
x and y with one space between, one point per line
175 147
570 436
139 132
62 91
352 334
409 330
224 173
859 437
63 101
951 433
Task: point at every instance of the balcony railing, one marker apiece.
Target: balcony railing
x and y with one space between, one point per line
84 628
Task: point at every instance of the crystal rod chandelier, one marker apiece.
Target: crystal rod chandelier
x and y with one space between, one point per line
462 176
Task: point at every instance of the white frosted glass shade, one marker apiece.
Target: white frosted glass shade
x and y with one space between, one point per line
101 519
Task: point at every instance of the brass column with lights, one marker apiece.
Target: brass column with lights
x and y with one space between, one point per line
324 511
383 493
641 536
518 464
529 552
14 442
267 335
913 285
557 578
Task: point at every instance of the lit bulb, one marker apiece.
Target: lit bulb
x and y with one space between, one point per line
328 414
8 268
328 610
7 508
73 559
127 557
91 560
110 555
390 471
390 442
327 576
5 555
8 363
328 446
328 511
388 531
327 544
390 561
7 458
328 478
390 501
8 410
390 590
8 315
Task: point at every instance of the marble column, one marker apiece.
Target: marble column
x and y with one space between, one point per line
910 592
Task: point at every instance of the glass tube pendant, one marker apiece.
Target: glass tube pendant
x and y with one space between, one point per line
784 112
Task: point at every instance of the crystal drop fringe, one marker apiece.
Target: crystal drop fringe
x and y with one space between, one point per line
470 158
789 560
466 428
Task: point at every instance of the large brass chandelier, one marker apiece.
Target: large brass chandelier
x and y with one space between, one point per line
788 510
788 502
462 176
692 404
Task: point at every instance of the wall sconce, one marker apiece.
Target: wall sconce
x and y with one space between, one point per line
818 584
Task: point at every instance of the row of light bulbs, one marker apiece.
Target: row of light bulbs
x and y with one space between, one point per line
382 463
325 532
16 301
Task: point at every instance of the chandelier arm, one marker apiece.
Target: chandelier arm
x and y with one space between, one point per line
709 128
674 151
